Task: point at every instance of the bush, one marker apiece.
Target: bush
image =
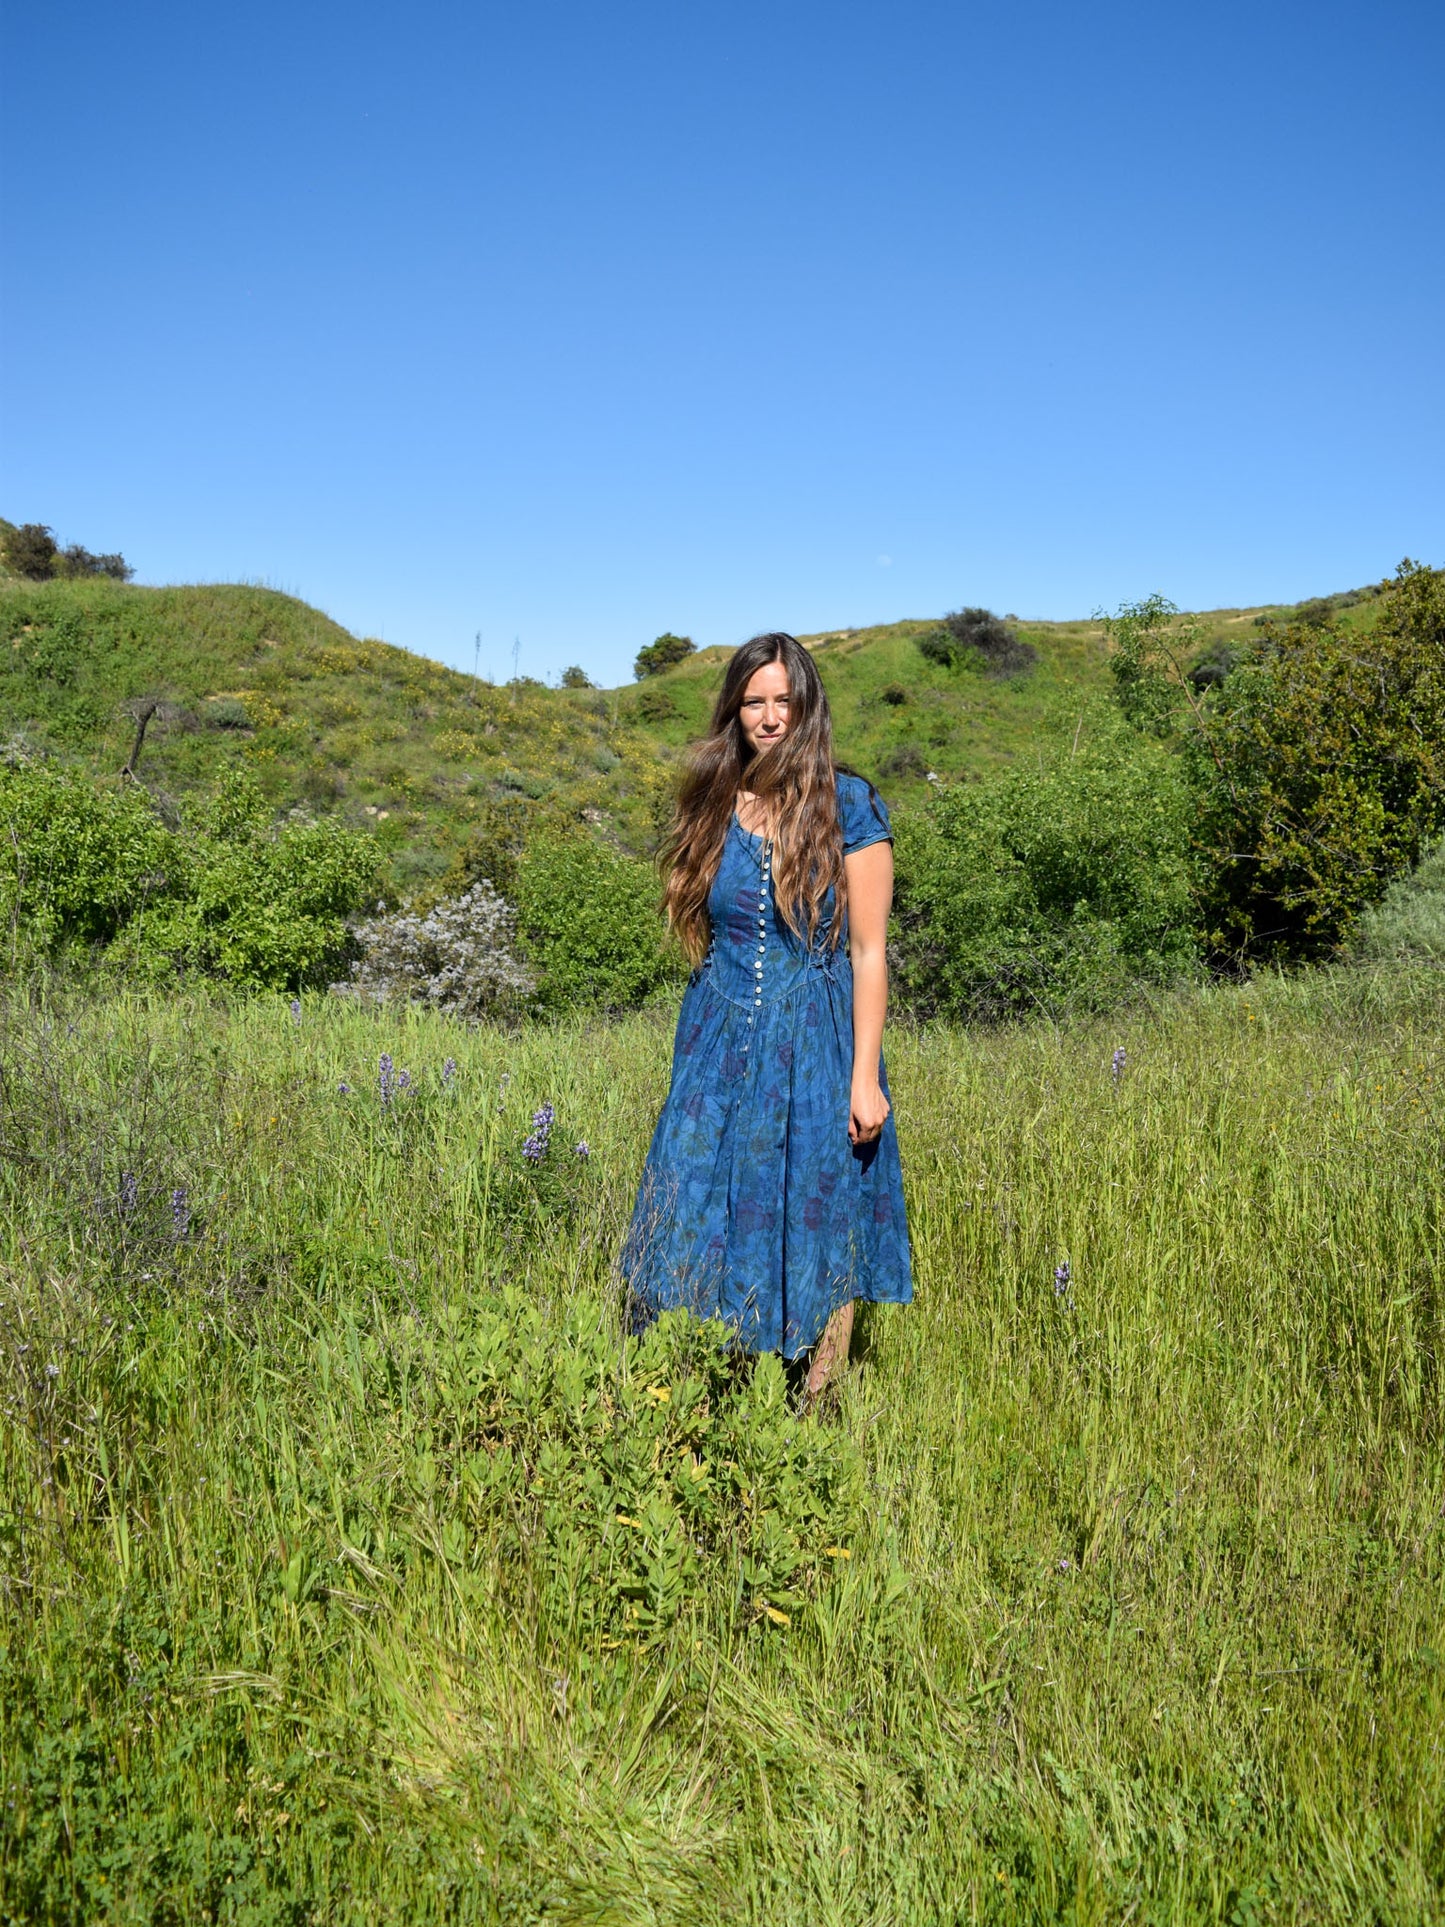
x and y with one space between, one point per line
30 551
1317 763
978 636
575 678
656 705
76 860
1047 889
257 906
662 654
86 868
459 957
590 923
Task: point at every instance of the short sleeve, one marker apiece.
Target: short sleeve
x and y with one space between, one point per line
863 815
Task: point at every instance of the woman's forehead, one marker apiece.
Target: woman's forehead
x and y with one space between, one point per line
770 680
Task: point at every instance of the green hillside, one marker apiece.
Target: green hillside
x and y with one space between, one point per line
432 758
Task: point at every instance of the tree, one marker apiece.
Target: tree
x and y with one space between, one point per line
30 551
575 678
662 654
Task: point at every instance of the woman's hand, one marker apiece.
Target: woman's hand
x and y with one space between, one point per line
868 1110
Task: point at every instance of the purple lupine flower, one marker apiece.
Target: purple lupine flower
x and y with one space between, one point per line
502 1090
535 1147
343 1089
180 1211
129 1190
449 1071
1061 1279
385 1066
1120 1059
296 1010
403 1080
582 1150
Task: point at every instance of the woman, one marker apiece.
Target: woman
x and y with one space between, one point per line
772 1196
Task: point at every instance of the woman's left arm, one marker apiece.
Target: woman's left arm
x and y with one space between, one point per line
870 898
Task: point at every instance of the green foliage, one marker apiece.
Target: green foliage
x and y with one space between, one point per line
575 678
85 868
1319 766
254 905
1315 754
978 637
640 1471
664 653
589 917
29 550
77 860
1062 886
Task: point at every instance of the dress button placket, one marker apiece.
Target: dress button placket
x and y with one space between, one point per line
762 934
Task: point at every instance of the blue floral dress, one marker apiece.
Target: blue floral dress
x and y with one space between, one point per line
754 1207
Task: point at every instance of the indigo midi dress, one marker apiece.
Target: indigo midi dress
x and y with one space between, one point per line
754 1207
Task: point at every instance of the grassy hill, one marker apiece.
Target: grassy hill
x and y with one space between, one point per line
434 759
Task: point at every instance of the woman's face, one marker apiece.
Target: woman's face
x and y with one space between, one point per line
764 714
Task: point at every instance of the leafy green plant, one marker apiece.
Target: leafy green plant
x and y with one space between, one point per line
1059 887
77 860
588 916
251 903
1316 760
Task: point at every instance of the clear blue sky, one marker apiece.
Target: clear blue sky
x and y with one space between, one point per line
578 322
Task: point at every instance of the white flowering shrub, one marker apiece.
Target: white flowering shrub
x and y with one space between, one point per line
459 957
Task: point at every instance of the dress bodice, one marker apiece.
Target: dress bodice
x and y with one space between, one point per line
754 958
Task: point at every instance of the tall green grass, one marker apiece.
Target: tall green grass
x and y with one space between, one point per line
357 1566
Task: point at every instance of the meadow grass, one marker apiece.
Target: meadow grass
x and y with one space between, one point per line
357 1566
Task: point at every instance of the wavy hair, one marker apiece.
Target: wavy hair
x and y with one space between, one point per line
794 782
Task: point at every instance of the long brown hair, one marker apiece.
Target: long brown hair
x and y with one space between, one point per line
794 782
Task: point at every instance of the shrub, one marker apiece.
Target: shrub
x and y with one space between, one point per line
575 678
905 760
75 560
662 654
589 919
656 705
30 551
1320 771
977 636
1317 764
252 904
76 860
1054 888
459 957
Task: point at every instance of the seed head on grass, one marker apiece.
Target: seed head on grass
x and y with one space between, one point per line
180 1212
